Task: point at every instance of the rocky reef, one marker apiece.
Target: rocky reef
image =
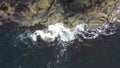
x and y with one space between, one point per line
69 12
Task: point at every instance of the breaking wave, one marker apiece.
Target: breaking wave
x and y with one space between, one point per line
60 47
65 40
61 33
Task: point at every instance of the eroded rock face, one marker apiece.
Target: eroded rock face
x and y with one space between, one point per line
69 12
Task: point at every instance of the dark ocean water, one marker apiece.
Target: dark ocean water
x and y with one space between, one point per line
19 51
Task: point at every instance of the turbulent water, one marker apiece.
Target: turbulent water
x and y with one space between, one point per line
58 31
59 47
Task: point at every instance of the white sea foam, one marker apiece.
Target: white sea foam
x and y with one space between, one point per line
61 33
53 32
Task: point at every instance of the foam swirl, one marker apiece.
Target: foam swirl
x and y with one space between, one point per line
66 34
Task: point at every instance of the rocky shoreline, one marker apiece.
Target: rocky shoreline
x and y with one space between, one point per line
18 50
69 12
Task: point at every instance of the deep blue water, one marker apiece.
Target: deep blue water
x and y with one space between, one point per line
102 52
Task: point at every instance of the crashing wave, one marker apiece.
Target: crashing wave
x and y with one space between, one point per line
61 33
54 31
62 37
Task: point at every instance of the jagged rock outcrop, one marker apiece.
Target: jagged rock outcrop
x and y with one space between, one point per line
70 12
